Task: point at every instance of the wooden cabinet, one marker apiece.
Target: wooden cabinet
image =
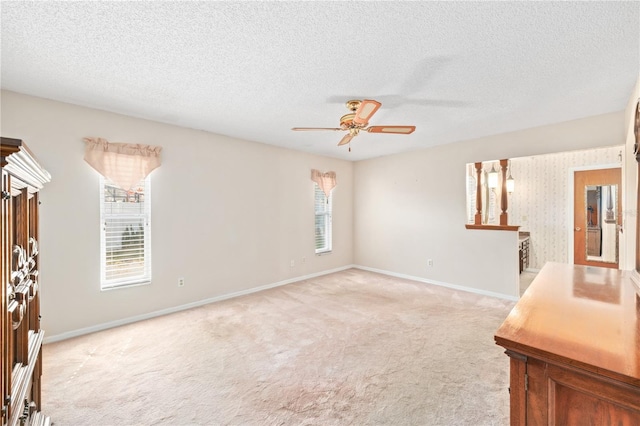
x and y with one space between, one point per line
574 345
20 333
523 250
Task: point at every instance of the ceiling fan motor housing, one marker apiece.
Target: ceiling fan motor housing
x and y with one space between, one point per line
346 121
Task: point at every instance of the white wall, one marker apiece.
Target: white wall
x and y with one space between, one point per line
410 207
227 215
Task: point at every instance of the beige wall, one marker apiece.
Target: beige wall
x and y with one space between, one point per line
227 215
410 207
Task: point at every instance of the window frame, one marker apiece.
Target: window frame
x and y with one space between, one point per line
327 213
139 279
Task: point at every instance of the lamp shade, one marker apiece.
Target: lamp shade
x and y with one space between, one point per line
492 179
511 184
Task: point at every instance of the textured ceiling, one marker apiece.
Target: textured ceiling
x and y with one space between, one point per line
253 70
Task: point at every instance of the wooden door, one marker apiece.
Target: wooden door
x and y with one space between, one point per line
596 217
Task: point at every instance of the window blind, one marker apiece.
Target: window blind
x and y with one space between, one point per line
125 244
323 208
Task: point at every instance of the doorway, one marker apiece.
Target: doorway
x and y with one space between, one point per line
596 217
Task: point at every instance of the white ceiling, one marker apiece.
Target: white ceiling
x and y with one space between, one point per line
253 70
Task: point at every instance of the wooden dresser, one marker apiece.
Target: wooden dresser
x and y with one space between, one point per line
20 333
574 345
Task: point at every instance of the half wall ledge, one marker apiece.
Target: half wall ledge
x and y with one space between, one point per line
493 227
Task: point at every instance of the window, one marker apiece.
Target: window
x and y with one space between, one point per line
125 241
323 207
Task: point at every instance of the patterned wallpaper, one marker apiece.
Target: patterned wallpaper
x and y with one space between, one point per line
539 203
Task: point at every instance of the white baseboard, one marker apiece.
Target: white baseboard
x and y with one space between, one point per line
440 283
117 323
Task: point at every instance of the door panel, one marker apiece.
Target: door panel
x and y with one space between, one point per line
597 216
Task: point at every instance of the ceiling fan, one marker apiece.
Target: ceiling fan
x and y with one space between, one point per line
358 120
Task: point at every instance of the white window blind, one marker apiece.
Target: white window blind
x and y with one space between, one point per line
323 207
125 243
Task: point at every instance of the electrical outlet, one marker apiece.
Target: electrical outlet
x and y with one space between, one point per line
430 262
180 282
293 263
304 260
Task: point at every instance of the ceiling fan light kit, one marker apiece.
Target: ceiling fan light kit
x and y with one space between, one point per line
358 119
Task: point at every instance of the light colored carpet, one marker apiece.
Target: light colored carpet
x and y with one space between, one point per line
350 348
526 278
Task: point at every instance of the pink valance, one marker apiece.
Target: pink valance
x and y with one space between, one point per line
326 181
122 163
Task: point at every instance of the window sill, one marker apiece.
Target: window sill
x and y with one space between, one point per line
493 227
322 253
128 285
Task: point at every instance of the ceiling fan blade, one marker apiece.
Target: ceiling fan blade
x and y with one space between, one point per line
365 111
345 140
304 129
405 130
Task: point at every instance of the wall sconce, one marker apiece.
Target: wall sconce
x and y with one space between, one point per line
492 179
511 184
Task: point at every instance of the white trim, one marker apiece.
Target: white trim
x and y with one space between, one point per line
440 283
117 323
571 171
27 171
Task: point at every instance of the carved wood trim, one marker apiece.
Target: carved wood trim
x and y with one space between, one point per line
5 274
636 149
638 216
20 370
